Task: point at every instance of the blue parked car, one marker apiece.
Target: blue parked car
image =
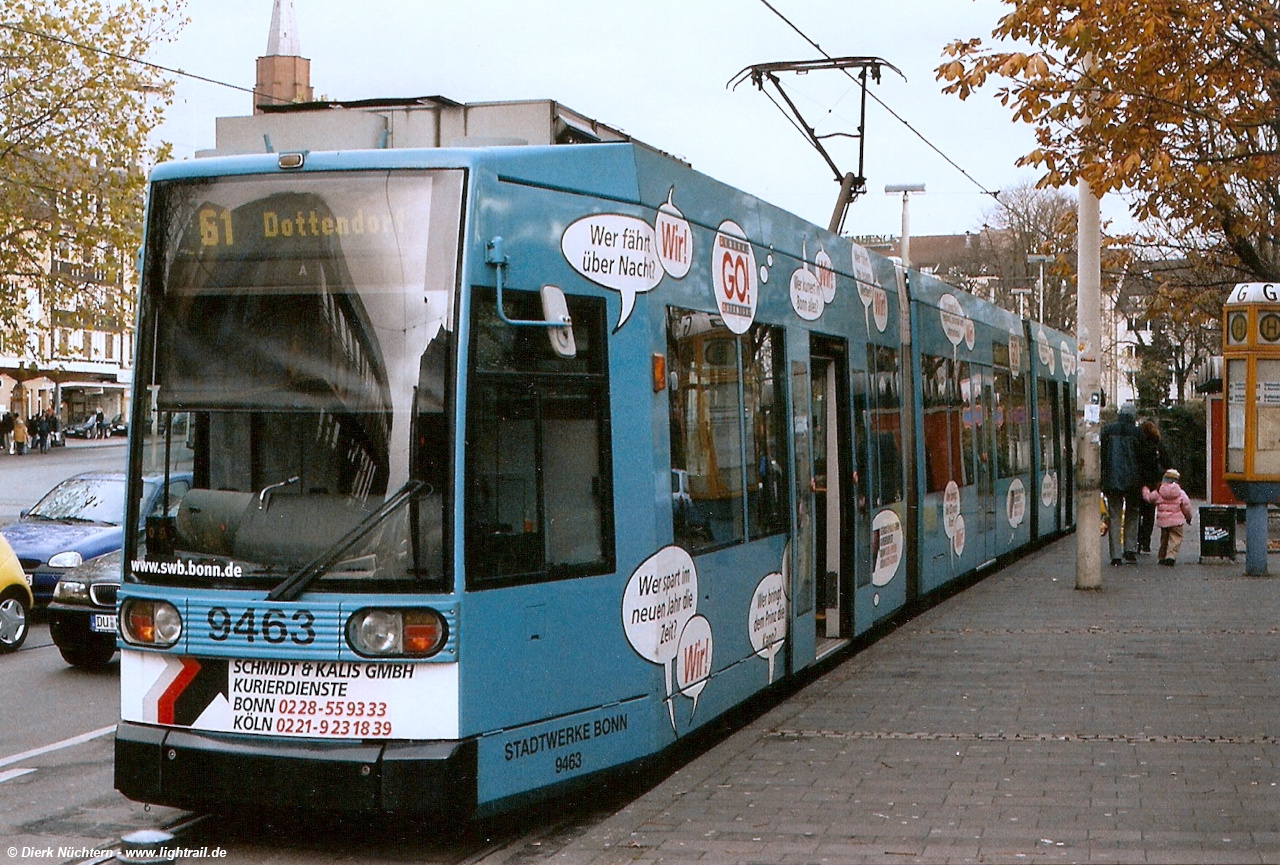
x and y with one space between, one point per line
79 520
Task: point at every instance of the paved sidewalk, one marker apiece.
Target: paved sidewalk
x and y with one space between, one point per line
1020 721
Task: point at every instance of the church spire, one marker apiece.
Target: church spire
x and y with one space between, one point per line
284 76
282 41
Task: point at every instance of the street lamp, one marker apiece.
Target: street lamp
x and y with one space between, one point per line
906 189
1040 260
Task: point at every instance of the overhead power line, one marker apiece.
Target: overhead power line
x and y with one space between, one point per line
81 46
994 194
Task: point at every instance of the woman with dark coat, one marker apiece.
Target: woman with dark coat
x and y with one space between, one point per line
1152 463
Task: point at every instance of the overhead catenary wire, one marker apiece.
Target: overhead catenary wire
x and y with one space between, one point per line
256 94
993 193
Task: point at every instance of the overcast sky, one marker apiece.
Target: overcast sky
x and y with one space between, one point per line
657 69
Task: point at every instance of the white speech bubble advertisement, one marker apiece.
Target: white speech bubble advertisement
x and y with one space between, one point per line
953 318
825 271
863 271
674 238
957 539
950 508
693 662
1044 349
880 308
734 277
1015 504
616 251
866 293
660 599
806 295
1049 489
886 546
767 618
1068 359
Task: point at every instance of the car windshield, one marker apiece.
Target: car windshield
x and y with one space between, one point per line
96 500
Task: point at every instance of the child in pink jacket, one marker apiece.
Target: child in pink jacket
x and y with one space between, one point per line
1173 511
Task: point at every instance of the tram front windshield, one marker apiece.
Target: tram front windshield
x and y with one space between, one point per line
293 372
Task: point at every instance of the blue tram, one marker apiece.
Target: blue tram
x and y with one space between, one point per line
512 466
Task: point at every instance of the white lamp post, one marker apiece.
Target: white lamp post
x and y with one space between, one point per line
1040 260
906 189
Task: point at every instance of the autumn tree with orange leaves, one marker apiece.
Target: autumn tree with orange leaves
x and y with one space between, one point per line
1174 104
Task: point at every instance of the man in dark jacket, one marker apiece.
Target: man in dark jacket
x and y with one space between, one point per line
1121 484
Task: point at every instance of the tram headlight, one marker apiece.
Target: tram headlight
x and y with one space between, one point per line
385 633
374 632
150 623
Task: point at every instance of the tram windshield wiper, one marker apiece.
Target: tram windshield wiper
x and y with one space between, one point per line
298 582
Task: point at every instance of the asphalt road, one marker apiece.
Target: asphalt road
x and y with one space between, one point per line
56 721
56 789
24 479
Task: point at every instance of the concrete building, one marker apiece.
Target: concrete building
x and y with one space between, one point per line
72 362
285 117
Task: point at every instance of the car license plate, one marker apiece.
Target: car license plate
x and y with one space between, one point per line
103 623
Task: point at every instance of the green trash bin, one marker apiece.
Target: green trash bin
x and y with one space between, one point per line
1217 532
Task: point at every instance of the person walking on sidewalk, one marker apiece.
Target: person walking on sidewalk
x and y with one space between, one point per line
1173 511
40 433
48 427
1151 465
1122 484
19 435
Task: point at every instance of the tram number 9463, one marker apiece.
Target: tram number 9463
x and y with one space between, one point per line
273 626
569 762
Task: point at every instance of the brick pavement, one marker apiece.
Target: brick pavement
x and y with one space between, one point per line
1020 721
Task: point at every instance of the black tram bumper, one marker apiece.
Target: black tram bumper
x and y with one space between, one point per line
213 771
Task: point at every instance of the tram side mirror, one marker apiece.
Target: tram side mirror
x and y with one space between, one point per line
554 308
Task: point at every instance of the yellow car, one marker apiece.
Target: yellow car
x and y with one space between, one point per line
15 600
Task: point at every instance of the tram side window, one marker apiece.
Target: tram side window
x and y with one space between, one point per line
727 415
763 374
538 466
943 420
885 409
1013 437
971 435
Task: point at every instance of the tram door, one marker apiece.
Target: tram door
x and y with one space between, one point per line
1049 423
1066 447
1057 456
829 421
